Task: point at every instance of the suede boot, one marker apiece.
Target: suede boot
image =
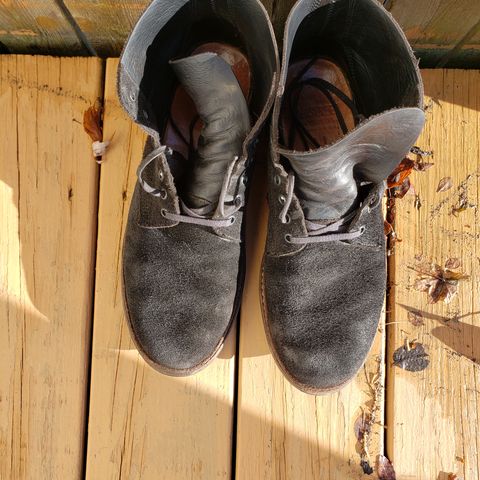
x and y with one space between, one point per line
200 77
349 108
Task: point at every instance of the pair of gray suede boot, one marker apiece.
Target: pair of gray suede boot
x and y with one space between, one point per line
201 77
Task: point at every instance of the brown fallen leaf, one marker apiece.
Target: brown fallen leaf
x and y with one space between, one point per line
439 283
463 204
411 357
403 170
415 318
385 469
453 476
92 123
387 228
402 190
422 166
446 183
452 263
366 467
93 126
398 181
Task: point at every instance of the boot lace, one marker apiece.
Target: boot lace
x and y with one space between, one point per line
197 216
338 230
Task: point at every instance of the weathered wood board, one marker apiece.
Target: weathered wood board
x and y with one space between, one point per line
433 416
283 433
37 27
107 23
48 204
446 31
143 424
441 31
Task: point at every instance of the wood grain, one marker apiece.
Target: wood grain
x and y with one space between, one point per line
283 433
442 32
143 424
37 27
106 23
433 426
48 196
438 29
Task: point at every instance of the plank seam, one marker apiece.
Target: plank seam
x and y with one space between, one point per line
76 28
89 360
456 49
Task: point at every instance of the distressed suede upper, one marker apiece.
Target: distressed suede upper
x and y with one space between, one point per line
181 285
323 299
183 269
323 304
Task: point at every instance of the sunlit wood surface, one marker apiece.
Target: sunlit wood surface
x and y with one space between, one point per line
76 399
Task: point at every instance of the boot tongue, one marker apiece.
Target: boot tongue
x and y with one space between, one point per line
222 107
327 179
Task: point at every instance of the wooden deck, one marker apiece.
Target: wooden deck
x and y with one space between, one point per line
76 399
442 32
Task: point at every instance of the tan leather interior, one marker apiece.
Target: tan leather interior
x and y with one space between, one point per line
314 110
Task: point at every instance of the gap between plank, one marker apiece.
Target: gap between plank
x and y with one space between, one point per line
76 28
236 380
88 366
456 49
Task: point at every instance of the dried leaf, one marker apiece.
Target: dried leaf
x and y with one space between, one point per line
415 318
439 291
451 275
423 284
92 123
422 166
402 190
441 284
387 228
360 427
417 203
403 170
453 262
422 153
385 469
446 183
367 469
411 357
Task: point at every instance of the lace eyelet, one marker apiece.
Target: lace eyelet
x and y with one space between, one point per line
133 97
163 194
163 212
232 220
362 229
287 219
160 176
238 201
282 200
277 180
288 238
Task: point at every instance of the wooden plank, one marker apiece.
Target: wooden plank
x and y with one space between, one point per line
48 196
37 27
436 23
143 424
434 27
433 417
442 32
283 433
106 23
